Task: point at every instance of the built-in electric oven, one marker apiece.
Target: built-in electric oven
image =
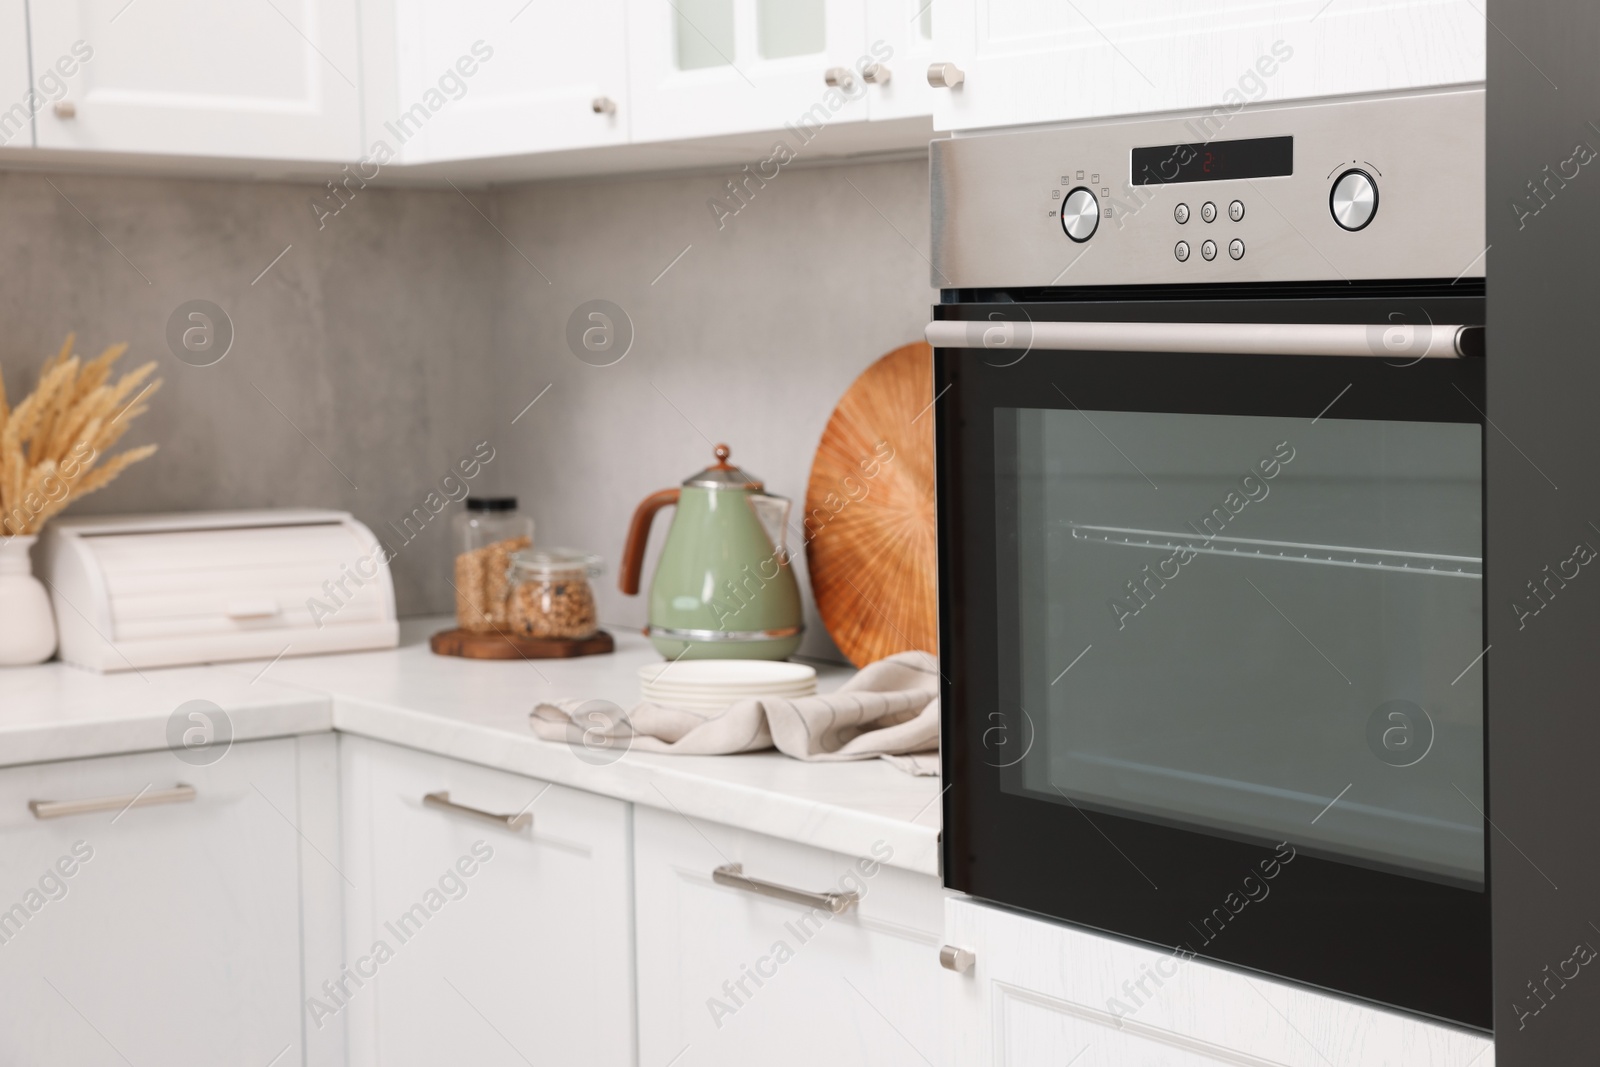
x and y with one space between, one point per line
1210 434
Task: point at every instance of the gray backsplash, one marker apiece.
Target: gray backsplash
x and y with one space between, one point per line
383 346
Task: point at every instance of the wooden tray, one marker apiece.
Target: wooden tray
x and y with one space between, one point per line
495 645
869 523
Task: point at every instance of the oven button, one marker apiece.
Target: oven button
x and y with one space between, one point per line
1354 199
1080 214
1236 212
1236 248
1208 211
1208 251
1181 213
1181 250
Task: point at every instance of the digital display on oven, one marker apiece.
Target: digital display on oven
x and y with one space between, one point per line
1257 157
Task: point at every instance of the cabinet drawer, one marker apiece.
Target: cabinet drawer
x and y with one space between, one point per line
167 932
501 943
744 977
1044 993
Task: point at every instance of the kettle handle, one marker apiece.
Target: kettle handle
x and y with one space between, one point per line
638 535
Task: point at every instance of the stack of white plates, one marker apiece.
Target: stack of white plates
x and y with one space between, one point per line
714 684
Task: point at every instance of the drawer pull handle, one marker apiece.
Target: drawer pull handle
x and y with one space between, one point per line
733 875
442 801
55 809
251 609
959 960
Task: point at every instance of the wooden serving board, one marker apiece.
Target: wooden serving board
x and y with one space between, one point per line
495 645
869 523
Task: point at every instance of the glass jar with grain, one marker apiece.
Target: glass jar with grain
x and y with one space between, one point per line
549 595
487 534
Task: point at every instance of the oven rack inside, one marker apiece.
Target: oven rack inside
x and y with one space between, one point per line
1374 559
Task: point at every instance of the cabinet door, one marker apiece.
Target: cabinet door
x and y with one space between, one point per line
902 29
1044 994
195 77
542 78
706 67
1027 61
737 978
166 933
16 105
470 941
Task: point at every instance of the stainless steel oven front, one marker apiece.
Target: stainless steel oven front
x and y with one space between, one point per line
1210 434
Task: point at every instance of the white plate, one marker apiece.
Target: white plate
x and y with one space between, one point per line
720 703
807 686
710 692
728 672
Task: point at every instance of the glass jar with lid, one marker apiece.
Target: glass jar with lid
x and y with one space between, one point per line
549 596
486 535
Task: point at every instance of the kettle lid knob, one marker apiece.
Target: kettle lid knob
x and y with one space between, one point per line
723 475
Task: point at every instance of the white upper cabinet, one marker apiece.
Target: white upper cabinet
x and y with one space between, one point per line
902 31
1030 61
707 67
506 77
16 105
199 78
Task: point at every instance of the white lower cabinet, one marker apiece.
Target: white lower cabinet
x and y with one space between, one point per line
151 933
469 940
1046 994
730 976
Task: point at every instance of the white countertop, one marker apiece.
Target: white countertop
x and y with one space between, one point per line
477 711
55 711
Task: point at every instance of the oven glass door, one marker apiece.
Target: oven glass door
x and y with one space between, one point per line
1251 625
1211 616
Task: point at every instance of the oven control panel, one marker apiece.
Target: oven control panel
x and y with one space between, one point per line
1325 190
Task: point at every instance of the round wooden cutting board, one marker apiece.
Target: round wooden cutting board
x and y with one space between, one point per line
869 520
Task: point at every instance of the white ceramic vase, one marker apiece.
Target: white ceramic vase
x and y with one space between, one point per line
27 625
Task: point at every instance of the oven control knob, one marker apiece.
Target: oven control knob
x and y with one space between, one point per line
1080 214
1354 199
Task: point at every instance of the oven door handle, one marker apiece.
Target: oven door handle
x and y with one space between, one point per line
1235 338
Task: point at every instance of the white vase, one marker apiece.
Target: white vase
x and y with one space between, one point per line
27 625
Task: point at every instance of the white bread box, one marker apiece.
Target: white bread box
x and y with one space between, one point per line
163 590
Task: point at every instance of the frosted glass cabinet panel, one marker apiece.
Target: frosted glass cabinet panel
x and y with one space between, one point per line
700 68
703 30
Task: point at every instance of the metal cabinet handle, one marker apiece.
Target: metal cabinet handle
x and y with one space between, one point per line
839 78
945 75
733 875
876 74
65 109
442 801
959 960
604 105
55 809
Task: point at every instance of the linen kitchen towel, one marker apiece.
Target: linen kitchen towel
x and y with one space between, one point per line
889 709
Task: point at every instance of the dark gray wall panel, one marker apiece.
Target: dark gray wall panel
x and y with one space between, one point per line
1543 476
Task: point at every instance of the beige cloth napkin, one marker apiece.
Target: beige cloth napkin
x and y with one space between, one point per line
890 709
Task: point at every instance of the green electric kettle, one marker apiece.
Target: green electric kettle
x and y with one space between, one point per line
723 588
